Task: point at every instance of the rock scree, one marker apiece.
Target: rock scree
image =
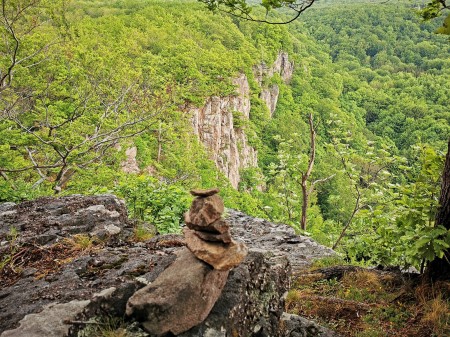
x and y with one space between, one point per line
49 273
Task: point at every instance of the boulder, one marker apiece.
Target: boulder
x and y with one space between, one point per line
251 302
180 298
204 211
222 256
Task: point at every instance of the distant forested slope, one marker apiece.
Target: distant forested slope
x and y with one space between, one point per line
108 75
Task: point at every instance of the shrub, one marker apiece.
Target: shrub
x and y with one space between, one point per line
157 202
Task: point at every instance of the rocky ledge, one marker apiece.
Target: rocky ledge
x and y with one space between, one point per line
73 262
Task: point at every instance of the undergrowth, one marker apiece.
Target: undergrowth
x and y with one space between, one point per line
105 326
370 303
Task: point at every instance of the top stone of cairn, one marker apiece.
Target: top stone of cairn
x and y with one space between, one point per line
204 193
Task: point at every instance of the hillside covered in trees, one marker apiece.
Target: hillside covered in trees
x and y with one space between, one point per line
90 88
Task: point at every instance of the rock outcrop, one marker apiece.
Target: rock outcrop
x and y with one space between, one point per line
218 123
279 239
53 284
215 125
48 220
215 122
283 67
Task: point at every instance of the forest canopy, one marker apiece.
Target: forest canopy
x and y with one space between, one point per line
82 86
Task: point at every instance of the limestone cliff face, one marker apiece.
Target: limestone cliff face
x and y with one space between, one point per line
281 66
216 126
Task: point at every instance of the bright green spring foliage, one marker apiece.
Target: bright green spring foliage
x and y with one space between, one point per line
434 9
156 202
107 76
409 219
245 9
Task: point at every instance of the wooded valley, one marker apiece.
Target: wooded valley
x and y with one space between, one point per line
100 97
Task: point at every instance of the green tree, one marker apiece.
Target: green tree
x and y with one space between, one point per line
59 114
434 9
243 8
439 268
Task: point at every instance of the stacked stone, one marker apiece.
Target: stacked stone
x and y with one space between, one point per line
208 236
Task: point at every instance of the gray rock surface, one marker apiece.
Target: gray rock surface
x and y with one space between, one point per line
46 275
296 326
50 322
5 206
45 220
277 238
116 262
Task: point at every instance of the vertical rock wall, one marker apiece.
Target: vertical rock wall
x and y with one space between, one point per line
215 125
281 66
215 122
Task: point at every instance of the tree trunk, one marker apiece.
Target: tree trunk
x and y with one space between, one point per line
304 206
307 174
439 268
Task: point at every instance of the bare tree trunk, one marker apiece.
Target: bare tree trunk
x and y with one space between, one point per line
306 192
439 268
349 221
158 159
304 206
307 174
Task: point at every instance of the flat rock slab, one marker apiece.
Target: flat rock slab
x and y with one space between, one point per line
204 193
180 298
222 256
219 226
278 238
50 322
214 237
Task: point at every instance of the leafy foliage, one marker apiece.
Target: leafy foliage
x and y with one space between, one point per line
103 77
158 203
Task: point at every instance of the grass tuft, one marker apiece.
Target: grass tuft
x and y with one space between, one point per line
142 233
436 315
81 242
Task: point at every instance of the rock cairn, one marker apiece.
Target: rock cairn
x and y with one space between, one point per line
183 295
208 236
